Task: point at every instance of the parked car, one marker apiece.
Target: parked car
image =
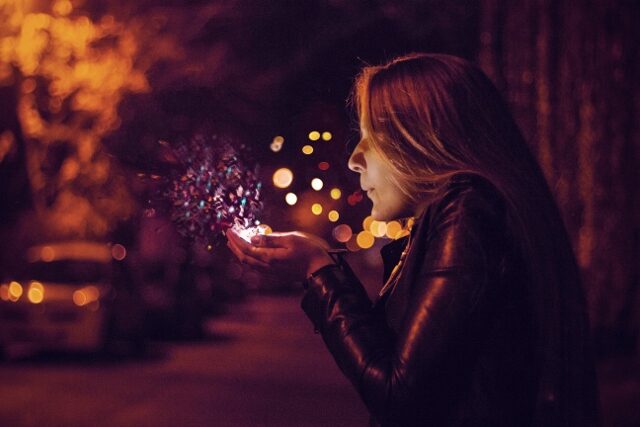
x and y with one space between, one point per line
67 297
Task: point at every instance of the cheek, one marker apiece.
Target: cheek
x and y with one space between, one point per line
389 204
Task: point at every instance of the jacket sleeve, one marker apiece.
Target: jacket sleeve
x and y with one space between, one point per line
447 308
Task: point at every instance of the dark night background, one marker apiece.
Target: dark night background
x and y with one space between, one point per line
251 70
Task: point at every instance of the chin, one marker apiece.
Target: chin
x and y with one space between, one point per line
381 216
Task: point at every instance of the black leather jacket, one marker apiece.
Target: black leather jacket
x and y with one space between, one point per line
451 343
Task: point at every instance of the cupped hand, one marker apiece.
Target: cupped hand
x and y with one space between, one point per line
295 254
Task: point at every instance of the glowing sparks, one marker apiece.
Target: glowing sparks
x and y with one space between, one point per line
316 209
314 135
307 149
333 216
335 193
282 178
213 190
326 136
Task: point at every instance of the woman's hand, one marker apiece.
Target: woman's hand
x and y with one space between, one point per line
295 254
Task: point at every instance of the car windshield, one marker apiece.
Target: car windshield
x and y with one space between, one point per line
69 271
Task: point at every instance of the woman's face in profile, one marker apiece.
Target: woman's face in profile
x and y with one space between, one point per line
389 202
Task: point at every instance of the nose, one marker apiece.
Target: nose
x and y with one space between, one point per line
356 160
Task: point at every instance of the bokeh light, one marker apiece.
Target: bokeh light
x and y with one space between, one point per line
365 239
352 244
15 291
314 135
335 193
62 7
393 228
86 295
307 149
4 292
378 228
316 208
47 254
366 223
291 199
276 144
333 216
317 184
326 136
118 252
35 294
342 233
282 178
323 166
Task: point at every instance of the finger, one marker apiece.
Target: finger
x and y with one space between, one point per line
269 241
242 249
247 259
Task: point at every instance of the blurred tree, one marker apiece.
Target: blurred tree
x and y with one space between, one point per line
569 71
68 74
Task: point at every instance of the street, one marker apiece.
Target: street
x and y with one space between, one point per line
261 365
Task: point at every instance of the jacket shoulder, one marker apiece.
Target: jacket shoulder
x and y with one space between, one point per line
467 198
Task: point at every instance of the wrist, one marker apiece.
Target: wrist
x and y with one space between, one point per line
318 262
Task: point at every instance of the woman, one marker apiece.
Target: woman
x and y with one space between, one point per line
482 321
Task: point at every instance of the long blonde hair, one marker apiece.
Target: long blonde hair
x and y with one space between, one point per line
433 116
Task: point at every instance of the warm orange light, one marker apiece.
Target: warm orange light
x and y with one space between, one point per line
317 184
291 199
335 193
393 228
342 233
333 216
35 294
118 252
307 149
378 228
276 144
47 254
62 7
366 223
404 232
86 295
4 292
314 135
282 178
365 239
79 298
15 291
316 208
326 136
28 86
264 229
